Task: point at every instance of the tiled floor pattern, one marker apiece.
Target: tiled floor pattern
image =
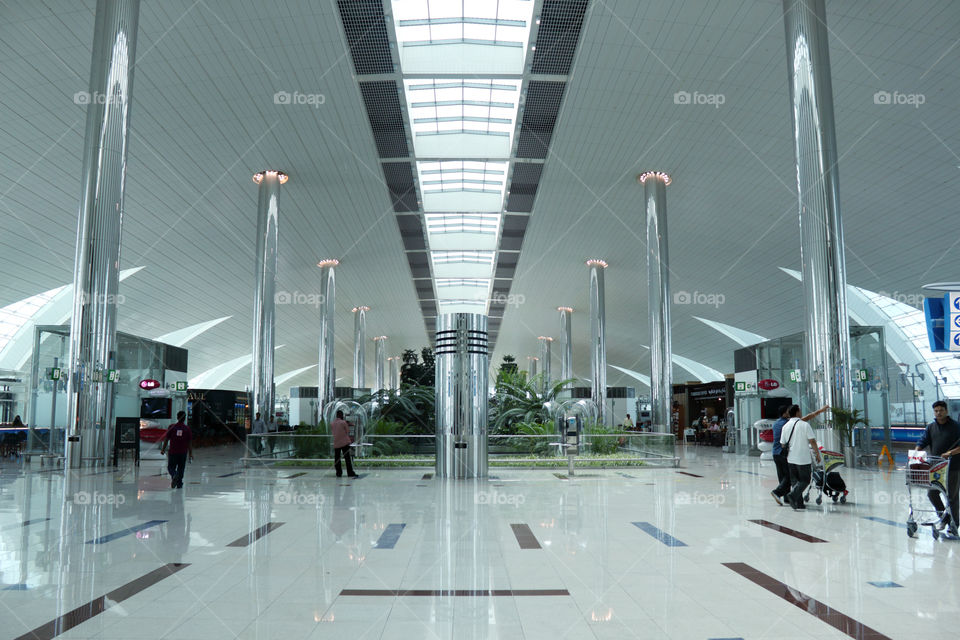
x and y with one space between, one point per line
296 554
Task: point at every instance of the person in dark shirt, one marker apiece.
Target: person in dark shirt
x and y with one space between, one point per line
942 436
780 460
180 439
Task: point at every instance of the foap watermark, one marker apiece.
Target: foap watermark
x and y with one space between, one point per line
298 297
892 497
85 98
495 497
513 299
310 99
101 298
910 99
687 498
698 297
912 299
295 498
711 99
97 498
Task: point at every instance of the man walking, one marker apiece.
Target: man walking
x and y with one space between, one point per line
943 437
180 439
257 429
341 445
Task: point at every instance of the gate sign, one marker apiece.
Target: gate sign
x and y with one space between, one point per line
768 384
952 325
149 384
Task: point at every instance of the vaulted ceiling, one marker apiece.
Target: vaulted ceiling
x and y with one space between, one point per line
205 118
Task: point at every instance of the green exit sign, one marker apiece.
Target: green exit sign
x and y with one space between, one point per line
180 385
55 373
795 375
740 386
862 375
112 375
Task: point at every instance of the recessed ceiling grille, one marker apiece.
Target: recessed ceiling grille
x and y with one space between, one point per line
386 120
403 192
366 31
539 117
523 186
560 24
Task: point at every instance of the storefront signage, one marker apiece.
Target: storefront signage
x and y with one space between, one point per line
149 384
769 384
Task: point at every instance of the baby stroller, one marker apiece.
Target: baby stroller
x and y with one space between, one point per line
826 480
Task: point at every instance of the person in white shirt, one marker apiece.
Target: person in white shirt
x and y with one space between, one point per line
799 434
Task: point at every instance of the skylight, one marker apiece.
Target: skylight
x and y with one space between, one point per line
462 118
459 231
465 36
462 264
13 316
462 185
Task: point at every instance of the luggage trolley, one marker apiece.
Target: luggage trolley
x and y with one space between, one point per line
928 474
827 480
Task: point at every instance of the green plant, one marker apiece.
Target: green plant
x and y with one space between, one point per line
316 446
603 445
412 406
521 400
844 421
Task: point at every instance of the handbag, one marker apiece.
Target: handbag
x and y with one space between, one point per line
785 448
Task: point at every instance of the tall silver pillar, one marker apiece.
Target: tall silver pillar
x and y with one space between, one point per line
827 335
326 378
531 367
545 358
598 341
264 304
93 328
566 343
394 372
359 346
462 359
658 299
381 361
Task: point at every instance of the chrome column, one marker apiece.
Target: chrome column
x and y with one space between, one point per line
545 343
381 360
598 342
658 299
93 328
531 367
326 379
264 303
461 395
394 372
827 328
359 346
566 343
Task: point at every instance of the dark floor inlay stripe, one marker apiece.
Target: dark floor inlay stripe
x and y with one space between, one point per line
388 539
126 532
15 587
427 476
525 537
832 617
97 606
227 475
687 473
454 592
255 535
885 521
787 530
295 475
25 523
659 534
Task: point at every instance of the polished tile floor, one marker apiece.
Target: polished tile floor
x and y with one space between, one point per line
299 553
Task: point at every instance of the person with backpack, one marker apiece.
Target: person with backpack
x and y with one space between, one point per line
796 435
780 457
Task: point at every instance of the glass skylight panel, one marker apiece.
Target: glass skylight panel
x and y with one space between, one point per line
462 264
459 231
462 118
462 36
473 289
455 186
13 316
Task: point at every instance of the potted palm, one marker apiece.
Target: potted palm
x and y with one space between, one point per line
844 422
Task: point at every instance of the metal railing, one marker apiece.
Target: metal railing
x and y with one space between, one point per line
596 449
